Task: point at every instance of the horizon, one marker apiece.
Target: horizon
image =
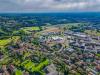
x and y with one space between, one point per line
44 12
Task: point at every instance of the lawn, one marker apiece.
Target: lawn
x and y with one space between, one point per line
5 42
32 67
18 72
98 55
42 64
92 32
30 28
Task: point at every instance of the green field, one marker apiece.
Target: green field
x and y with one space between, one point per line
31 28
18 72
26 30
98 55
92 32
5 42
31 66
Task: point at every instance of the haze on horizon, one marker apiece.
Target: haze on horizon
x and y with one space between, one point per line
49 5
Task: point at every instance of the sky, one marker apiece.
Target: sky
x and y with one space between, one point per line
49 5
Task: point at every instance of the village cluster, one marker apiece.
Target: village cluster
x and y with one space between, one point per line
79 51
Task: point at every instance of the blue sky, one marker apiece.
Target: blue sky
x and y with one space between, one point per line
49 5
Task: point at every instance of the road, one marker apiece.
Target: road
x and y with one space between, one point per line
57 51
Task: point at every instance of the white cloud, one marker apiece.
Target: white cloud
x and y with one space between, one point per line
49 5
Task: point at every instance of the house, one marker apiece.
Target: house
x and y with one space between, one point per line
1 55
51 70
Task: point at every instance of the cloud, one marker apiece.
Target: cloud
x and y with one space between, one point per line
49 5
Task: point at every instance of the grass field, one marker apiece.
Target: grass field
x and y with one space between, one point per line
98 55
5 42
92 32
30 28
18 72
31 66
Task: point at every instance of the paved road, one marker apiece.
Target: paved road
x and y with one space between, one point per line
58 50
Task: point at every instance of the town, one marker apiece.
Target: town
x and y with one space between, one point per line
51 49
